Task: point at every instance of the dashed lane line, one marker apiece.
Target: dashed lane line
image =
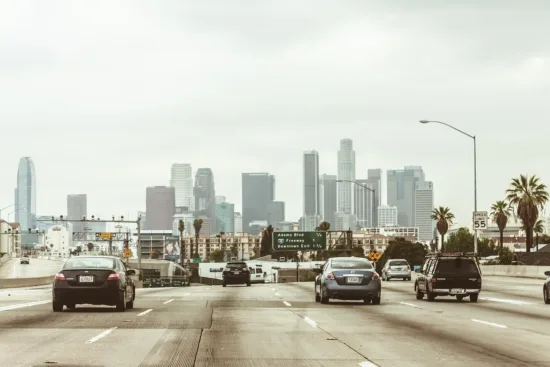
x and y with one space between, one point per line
22 305
167 302
287 304
509 301
101 335
310 321
145 312
490 323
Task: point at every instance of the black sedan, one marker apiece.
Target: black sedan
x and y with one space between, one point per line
95 280
546 288
236 272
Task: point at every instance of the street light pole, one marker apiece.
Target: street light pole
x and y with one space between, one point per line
473 137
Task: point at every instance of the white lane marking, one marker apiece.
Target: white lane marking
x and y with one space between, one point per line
490 323
21 305
187 294
101 335
510 301
409 304
368 364
167 302
310 321
286 303
145 312
277 294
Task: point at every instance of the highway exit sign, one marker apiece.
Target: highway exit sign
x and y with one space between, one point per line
299 241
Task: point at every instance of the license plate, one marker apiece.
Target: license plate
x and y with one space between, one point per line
353 280
457 291
86 279
236 272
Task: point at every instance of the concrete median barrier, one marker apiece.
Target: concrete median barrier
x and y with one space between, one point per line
26 282
515 271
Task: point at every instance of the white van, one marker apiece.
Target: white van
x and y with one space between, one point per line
257 274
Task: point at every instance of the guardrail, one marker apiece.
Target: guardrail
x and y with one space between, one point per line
26 282
516 271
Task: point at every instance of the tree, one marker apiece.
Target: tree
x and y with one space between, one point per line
197 225
400 248
181 227
538 229
323 227
444 218
463 241
506 256
500 211
266 247
90 246
528 195
217 255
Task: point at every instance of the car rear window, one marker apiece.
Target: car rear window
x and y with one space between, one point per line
89 263
236 266
351 264
398 263
457 266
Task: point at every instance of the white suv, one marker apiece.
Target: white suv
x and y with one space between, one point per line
396 268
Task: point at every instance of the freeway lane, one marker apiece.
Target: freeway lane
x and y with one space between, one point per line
277 325
36 268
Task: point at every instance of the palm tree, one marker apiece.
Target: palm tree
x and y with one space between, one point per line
197 224
500 211
537 229
181 227
528 195
444 218
323 226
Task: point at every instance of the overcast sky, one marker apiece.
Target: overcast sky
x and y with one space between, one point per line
106 95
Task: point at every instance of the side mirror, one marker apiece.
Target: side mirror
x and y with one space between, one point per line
131 272
547 273
418 271
316 270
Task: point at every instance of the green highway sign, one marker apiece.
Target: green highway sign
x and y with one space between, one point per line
197 260
299 241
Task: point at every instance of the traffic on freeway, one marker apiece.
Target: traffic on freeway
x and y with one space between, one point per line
280 325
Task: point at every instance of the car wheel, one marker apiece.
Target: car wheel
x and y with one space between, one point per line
473 297
367 301
121 303
430 295
459 298
224 285
376 300
419 294
57 306
70 305
545 295
324 295
130 304
317 296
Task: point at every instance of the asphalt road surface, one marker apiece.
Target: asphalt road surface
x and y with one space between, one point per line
36 268
280 325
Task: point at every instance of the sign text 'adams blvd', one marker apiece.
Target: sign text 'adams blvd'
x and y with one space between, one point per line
299 241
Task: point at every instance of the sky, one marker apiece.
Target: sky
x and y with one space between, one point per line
106 95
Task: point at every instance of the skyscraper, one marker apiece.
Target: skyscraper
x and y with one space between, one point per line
329 194
238 222
160 207
424 204
25 194
374 181
225 217
205 197
76 209
362 197
346 172
275 213
181 179
258 190
387 216
311 207
402 186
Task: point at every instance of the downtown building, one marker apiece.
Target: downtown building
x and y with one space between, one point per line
258 190
345 218
77 209
25 195
181 179
160 204
311 193
205 200
328 198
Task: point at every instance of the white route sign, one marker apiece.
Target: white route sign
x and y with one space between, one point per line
481 220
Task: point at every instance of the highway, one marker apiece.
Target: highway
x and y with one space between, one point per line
36 268
280 325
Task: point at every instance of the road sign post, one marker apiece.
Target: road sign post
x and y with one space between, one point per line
299 241
480 220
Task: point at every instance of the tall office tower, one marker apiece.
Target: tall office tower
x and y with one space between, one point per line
402 186
181 179
225 217
346 173
160 204
374 181
76 209
363 203
258 190
275 213
238 222
311 207
25 194
424 204
387 216
205 198
329 193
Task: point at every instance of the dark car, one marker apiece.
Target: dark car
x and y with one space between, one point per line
236 272
348 278
95 280
546 288
449 274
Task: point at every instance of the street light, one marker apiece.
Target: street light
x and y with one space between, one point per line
473 137
367 188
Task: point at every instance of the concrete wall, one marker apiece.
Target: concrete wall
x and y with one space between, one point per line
517 271
25 282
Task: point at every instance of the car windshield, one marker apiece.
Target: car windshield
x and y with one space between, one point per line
89 263
399 263
236 266
457 266
351 264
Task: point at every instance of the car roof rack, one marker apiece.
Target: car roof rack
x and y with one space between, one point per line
452 254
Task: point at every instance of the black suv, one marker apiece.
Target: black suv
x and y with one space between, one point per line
236 272
449 274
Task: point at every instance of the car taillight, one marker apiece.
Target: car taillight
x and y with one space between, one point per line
330 276
115 276
479 281
375 276
59 276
